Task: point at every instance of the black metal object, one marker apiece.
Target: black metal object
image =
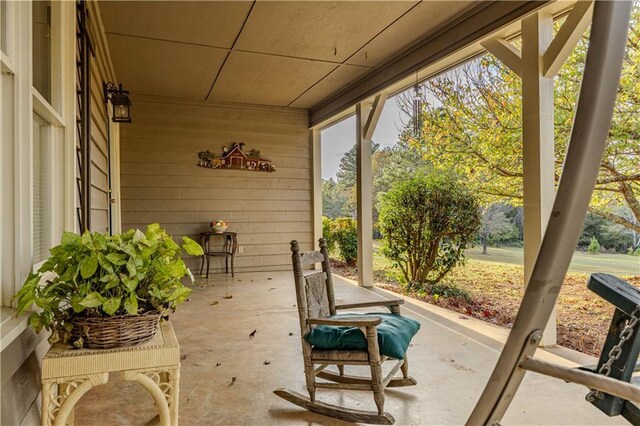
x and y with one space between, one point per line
119 101
625 298
228 251
83 120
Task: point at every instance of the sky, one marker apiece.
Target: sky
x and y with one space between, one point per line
340 138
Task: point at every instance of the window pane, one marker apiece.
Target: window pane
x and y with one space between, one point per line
3 26
41 188
42 48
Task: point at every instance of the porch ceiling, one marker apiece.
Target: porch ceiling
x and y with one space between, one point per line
292 54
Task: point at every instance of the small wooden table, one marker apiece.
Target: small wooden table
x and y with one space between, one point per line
67 374
228 250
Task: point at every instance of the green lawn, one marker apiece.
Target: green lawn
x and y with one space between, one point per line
617 264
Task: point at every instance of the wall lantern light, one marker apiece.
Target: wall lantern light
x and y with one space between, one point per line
119 100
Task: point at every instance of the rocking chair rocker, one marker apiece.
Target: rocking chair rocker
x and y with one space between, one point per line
316 307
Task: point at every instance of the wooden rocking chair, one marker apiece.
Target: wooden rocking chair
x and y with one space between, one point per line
316 303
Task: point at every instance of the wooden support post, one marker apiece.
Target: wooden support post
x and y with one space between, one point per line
364 204
506 53
567 38
541 58
538 144
314 135
367 116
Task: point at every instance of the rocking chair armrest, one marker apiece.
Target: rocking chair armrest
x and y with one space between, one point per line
387 303
346 322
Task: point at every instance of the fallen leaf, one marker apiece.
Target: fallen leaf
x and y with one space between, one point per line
253 334
267 362
215 302
228 296
218 364
463 317
233 380
269 278
183 357
290 334
273 288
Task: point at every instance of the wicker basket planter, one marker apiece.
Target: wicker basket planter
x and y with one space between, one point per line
116 331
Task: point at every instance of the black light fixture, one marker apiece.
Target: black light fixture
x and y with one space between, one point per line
119 100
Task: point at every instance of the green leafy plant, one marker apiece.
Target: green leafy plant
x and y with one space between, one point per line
96 275
594 246
346 236
448 289
328 232
427 223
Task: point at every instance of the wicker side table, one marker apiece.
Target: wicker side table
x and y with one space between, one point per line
67 374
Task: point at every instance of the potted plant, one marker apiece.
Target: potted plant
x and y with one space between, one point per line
103 291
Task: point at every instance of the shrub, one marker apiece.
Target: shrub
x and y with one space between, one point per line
427 223
594 246
346 236
328 232
448 289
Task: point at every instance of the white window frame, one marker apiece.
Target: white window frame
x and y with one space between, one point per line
11 18
16 155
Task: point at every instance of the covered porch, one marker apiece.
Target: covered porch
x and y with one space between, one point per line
451 359
204 76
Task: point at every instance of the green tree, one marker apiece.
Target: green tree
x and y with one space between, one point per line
427 222
336 200
473 125
348 164
495 226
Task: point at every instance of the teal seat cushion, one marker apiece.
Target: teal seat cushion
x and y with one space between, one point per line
394 335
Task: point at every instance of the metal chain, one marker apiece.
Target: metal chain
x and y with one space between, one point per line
615 352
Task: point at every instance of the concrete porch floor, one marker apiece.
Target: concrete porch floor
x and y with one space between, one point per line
451 358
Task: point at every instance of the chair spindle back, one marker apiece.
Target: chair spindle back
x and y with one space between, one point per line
314 290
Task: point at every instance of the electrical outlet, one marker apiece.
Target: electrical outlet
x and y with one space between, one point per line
240 249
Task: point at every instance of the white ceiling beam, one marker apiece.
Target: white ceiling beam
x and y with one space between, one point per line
477 23
506 52
374 115
570 33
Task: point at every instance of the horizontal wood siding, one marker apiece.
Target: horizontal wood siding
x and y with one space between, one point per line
161 182
21 376
101 72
